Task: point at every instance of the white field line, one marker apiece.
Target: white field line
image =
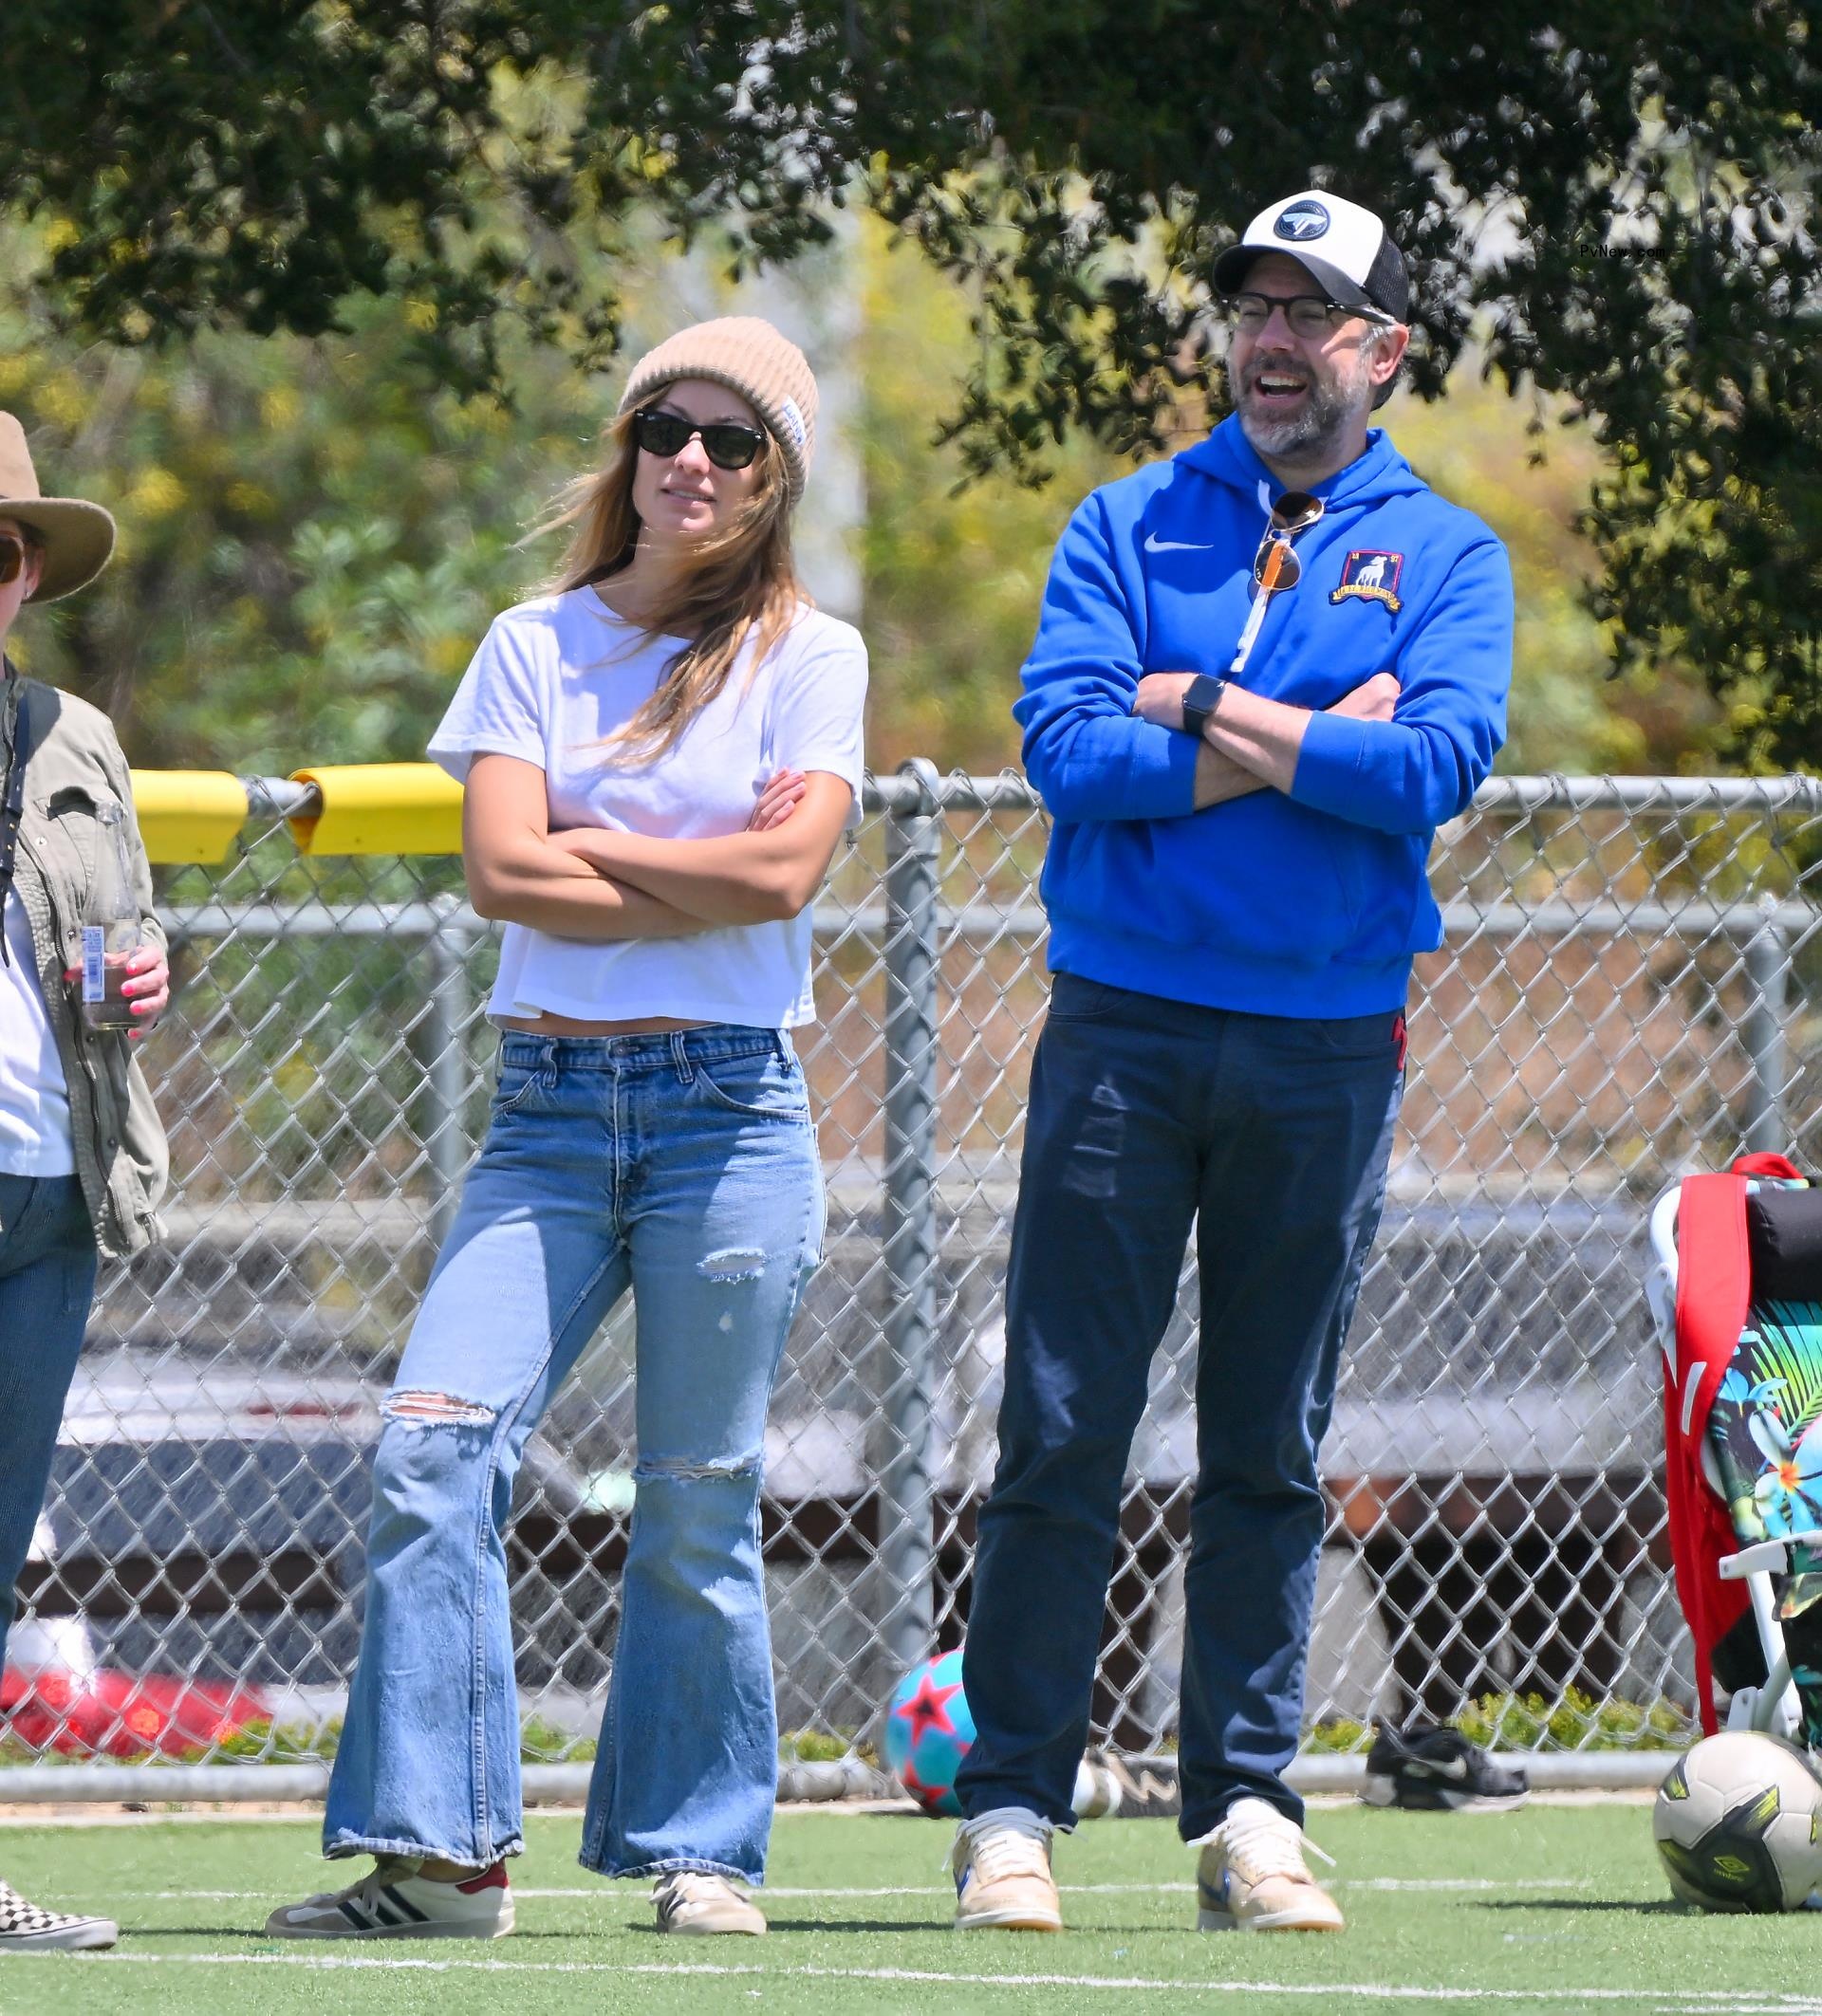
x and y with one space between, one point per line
60 1820
1717 2002
1460 1882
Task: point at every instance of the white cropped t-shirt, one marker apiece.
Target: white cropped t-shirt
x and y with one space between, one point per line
553 678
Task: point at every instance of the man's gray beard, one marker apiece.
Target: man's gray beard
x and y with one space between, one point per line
1313 434
1309 435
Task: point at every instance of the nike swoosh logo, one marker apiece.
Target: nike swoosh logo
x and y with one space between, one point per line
1457 1768
1155 545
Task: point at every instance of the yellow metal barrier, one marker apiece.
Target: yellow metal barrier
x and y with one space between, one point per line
381 808
189 815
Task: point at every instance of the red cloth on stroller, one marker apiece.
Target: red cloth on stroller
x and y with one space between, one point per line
1714 1288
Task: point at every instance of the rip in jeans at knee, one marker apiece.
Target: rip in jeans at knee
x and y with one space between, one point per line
419 1408
683 1470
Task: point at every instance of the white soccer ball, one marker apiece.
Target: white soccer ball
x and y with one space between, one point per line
1738 1824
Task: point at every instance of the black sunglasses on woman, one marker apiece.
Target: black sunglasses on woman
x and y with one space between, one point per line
728 444
13 550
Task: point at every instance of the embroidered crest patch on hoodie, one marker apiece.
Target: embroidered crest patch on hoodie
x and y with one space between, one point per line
1373 576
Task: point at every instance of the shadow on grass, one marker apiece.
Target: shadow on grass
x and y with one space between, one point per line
844 1925
251 1935
1638 1907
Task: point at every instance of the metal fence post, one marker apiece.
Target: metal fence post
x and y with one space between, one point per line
446 1084
906 1540
1767 975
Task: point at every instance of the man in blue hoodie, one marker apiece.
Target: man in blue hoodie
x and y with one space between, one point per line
1265 672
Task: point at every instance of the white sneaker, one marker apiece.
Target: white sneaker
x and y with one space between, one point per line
1001 1864
696 1900
395 1902
30 1929
1252 1877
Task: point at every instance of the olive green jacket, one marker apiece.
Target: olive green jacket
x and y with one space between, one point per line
74 766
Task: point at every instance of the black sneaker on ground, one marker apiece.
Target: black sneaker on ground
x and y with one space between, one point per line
1426 1769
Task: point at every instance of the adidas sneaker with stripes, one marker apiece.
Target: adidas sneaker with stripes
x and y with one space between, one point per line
395 1902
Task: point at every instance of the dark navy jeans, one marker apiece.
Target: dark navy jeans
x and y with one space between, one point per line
1273 1136
48 1264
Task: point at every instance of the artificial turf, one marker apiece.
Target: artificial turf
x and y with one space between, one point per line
1554 1907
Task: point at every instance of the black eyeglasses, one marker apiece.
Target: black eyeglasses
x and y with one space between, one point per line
1274 565
1307 315
726 443
13 548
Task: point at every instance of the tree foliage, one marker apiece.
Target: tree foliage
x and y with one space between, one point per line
1616 201
310 546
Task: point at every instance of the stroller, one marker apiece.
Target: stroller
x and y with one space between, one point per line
1735 1288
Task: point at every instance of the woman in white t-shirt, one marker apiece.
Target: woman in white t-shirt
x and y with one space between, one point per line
660 758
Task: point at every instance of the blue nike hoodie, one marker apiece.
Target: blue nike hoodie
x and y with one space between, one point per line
1307 903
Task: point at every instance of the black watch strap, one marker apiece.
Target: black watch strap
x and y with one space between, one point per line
1201 696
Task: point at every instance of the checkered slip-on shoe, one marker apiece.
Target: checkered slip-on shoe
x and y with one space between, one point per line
30 1929
395 1902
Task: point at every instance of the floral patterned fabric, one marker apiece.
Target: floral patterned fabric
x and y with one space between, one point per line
1766 1426
1765 1430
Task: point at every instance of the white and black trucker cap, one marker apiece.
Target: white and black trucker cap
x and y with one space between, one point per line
1343 249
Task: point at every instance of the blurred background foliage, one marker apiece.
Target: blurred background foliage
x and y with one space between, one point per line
312 542
1612 207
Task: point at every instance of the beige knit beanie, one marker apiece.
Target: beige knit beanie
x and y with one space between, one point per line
749 356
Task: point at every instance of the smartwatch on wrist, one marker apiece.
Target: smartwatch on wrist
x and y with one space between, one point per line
1200 699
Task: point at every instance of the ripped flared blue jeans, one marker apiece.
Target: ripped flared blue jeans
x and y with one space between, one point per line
682 1167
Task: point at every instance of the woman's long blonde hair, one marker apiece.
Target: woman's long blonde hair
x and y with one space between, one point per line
741 583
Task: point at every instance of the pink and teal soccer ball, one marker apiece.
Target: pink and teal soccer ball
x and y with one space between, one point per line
928 1730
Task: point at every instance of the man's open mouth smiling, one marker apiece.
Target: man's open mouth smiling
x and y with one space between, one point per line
1276 384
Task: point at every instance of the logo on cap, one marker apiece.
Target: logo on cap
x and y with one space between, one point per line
1307 219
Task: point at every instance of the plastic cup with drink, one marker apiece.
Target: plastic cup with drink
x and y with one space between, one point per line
113 929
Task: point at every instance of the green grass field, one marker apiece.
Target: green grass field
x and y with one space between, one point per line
1554 1907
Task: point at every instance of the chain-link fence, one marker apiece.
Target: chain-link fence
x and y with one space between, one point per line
1630 987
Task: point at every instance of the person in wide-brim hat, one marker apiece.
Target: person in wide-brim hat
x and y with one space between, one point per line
82 1157
76 537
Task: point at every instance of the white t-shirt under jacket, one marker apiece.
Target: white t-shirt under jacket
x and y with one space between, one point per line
35 1134
553 678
